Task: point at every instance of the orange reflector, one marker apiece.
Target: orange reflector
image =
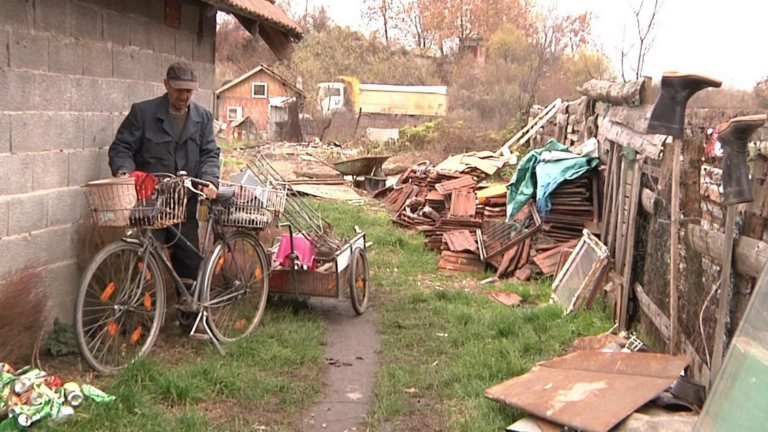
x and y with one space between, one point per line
147 301
258 273
361 283
251 252
219 265
112 328
240 324
108 291
136 335
148 273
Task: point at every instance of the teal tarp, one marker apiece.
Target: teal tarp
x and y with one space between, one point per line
521 189
548 175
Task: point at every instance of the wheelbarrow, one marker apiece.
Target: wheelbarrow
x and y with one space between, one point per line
369 167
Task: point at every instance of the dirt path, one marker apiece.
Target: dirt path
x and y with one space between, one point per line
352 349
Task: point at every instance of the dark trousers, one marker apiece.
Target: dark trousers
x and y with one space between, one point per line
185 261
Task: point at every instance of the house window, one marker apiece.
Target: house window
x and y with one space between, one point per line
259 90
234 113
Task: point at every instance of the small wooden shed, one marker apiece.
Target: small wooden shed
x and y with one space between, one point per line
263 96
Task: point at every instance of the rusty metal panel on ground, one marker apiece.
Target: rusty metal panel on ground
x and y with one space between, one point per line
588 390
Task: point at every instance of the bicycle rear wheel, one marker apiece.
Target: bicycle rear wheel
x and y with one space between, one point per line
120 307
236 286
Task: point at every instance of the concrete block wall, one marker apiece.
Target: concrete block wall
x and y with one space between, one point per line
69 72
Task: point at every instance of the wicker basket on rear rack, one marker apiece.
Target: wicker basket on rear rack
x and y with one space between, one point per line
123 203
252 206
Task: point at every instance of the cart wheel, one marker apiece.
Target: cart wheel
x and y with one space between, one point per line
359 287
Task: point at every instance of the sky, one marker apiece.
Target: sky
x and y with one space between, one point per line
719 38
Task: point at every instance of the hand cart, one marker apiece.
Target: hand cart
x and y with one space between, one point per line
313 262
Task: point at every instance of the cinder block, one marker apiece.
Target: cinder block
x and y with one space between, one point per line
4 48
97 60
19 13
16 172
61 282
141 91
141 32
98 131
104 170
100 95
205 49
84 167
204 98
167 61
29 213
4 211
185 45
5 133
65 56
28 50
190 16
34 132
117 29
53 16
18 90
51 170
150 67
66 206
86 21
207 75
164 38
126 63
53 92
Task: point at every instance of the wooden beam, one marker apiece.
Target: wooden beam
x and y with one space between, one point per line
674 249
532 127
749 255
646 145
652 311
630 243
630 93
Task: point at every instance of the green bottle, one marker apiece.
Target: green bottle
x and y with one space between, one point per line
96 394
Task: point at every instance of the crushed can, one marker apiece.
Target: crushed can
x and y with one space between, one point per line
62 412
5 367
52 381
32 398
6 378
22 385
96 394
73 394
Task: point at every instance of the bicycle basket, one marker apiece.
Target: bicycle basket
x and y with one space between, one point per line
115 203
251 206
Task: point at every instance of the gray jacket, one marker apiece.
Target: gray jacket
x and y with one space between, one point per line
145 142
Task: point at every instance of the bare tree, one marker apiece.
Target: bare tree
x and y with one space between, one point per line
634 55
380 12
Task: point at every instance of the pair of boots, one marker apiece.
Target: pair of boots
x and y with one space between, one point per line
668 118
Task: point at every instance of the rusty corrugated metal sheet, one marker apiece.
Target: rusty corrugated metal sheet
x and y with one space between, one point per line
589 390
465 182
264 10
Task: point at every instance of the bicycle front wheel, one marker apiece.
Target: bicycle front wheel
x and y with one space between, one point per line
120 307
236 286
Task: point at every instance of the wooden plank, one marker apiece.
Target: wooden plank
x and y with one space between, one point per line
645 144
631 93
652 311
630 248
532 127
674 250
652 170
620 231
607 196
725 291
749 255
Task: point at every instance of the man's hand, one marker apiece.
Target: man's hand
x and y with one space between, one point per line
122 174
210 191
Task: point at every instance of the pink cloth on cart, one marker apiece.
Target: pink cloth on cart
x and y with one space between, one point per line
304 249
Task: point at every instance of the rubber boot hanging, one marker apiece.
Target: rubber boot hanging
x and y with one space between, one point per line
734 137
668 115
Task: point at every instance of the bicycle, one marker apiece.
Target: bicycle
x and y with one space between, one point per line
121 299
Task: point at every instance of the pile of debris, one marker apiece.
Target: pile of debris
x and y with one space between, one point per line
30 395
465 218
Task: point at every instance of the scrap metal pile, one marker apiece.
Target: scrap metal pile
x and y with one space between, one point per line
30 395
465 218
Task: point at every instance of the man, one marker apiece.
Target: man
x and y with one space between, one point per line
167 135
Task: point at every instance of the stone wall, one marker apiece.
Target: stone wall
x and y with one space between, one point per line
69 72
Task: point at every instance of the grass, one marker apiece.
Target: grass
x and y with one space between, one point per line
263 381
444 342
